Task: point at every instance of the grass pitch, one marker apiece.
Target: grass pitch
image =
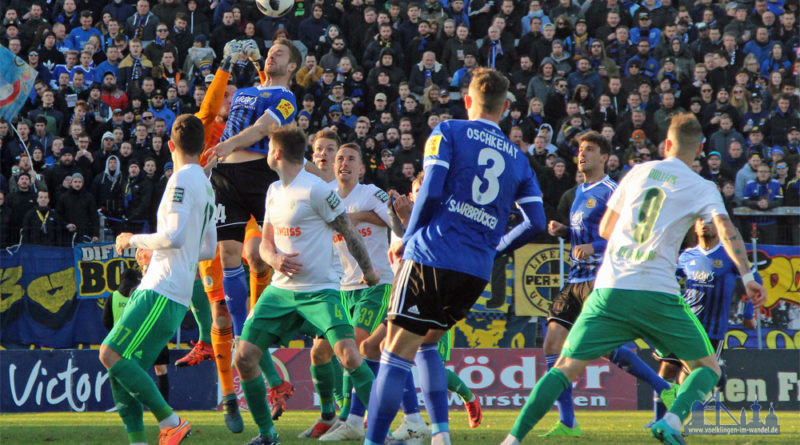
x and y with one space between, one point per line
599 427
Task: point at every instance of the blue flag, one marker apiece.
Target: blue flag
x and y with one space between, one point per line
16 81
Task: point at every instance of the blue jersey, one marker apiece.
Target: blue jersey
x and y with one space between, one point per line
587 210
484 174
710 279
249 104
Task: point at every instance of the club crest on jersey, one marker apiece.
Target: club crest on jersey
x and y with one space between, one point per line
717 264
333 200
265 94
432 145
286 108
177 196
591 203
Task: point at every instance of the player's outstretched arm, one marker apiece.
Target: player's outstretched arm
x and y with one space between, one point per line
261 129
356 247
533 223
283 263
734 245
170 236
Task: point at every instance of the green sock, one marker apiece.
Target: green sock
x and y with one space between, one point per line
322 376
696 387
256 395
338 375
362 382
542 397
130 410
347 390
201 309
456 385
268 368
135 380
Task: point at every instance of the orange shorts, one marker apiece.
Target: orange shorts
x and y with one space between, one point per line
251 231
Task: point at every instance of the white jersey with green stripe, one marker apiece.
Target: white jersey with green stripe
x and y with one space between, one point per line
657 203
366 197
185 234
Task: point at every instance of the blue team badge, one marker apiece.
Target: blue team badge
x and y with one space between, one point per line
265 94
717 264
591 203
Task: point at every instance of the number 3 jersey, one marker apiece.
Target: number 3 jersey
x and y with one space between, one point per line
657 203
485 174
366 197
300 214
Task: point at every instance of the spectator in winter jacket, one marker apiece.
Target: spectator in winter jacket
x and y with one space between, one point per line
138 195
312 28
19 202
134 68
426 73
42 225
142 25
79 210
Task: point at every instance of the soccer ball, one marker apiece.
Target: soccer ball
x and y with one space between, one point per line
274 8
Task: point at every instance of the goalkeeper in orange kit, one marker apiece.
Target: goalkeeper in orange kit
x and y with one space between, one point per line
214 321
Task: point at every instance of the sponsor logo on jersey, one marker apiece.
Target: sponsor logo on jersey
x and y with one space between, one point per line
382 196
286 108
177 196
432 145
245 101
591 203
288 231
333 200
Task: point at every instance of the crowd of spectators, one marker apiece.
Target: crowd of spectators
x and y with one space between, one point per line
113 75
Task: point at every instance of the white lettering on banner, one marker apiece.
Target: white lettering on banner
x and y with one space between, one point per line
493 140
76 393
594 374
508 375
787 382
104 252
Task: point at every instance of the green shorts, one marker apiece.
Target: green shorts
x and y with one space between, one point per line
367 307
146 325
280 314
445 343
613 317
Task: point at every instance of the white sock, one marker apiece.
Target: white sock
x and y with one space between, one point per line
355 420
442 438
172 421
673 421
510 440
414 417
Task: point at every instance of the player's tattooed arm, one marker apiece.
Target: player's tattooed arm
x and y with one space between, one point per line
356 247
734 245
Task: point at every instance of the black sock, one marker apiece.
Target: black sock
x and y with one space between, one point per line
163 386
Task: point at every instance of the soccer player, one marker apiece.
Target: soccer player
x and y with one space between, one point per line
587 209
366 306
185 235
452 238
217 342
636 294
711 278
302 215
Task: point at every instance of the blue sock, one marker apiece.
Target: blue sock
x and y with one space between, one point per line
356 405
410 400
234 283
384 399
564 402
659 409
631 363
434 386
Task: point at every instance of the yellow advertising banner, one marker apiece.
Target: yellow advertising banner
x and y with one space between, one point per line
536 277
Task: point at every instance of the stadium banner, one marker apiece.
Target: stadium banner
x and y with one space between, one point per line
16 81
75 380
769 376
779 266
40 304
98 268
536 277
502 378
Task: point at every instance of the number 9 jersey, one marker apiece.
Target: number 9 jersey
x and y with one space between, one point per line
657 203
485 173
